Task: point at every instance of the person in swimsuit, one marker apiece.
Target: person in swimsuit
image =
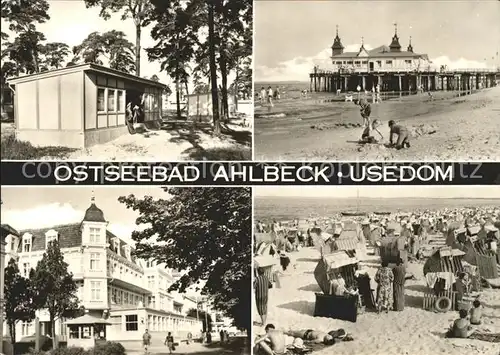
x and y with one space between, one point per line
475 313
403 140
274 342
461 327
365 110
312 336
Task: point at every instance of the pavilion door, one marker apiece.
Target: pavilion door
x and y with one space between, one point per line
371 66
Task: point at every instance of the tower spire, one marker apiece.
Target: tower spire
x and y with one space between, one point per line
395 28
410 47
92 197
337 30
395 46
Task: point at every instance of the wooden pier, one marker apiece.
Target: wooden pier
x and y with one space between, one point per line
403 81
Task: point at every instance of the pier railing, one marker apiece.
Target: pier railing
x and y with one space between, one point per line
396 70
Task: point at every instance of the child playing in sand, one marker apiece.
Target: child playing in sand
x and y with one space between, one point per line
403 135
475 313
461 327
366 137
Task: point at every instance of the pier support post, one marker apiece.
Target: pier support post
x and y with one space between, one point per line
346 86
311 85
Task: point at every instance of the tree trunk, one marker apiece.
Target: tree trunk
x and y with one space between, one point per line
55 341
12 332
213 67
236 87
223 71
138 50
3 113
178 97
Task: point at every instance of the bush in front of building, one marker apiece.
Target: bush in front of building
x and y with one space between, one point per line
109 348
72 350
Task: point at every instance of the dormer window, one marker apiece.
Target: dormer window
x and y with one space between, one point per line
50 237
27 241
127 252
95 235
116 246
13 243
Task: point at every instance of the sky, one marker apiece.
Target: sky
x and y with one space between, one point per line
71 22
381 191
293 36
39 207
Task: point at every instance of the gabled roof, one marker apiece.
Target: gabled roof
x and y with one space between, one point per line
383 52
7 229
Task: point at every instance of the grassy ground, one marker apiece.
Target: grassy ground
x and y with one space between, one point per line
13 149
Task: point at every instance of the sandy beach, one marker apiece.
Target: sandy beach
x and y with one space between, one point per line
322 127
413 331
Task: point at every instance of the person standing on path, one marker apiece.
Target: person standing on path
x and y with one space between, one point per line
398 286
146 341
169 342
261 288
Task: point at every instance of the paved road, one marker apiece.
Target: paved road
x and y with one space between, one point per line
193 348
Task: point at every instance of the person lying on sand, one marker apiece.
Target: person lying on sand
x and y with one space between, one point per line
274 342
319 337
402 133
460 327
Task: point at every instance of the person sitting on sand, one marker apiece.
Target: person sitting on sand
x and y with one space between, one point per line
461 327
274 342
403 135
475 313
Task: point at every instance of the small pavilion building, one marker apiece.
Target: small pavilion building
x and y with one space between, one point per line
81 105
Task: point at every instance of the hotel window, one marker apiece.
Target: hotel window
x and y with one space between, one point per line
152 302
114 297
26 329
101 100
349 62
111 100
131 323
94 261
388 62
95 235
26 270
12 243
120 297
125 298
408 61
95 290
379 63
27 244
151 282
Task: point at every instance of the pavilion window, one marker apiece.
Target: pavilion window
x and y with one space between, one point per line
111 100
121 100
86 333
101 100
74 332
131 323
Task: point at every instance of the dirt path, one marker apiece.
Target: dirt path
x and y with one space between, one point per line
464 128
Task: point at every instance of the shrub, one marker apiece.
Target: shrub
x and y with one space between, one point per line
12 148
73 350
32 351
110 348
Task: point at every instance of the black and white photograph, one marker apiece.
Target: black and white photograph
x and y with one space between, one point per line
126 271
126 80
377 80
378 270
